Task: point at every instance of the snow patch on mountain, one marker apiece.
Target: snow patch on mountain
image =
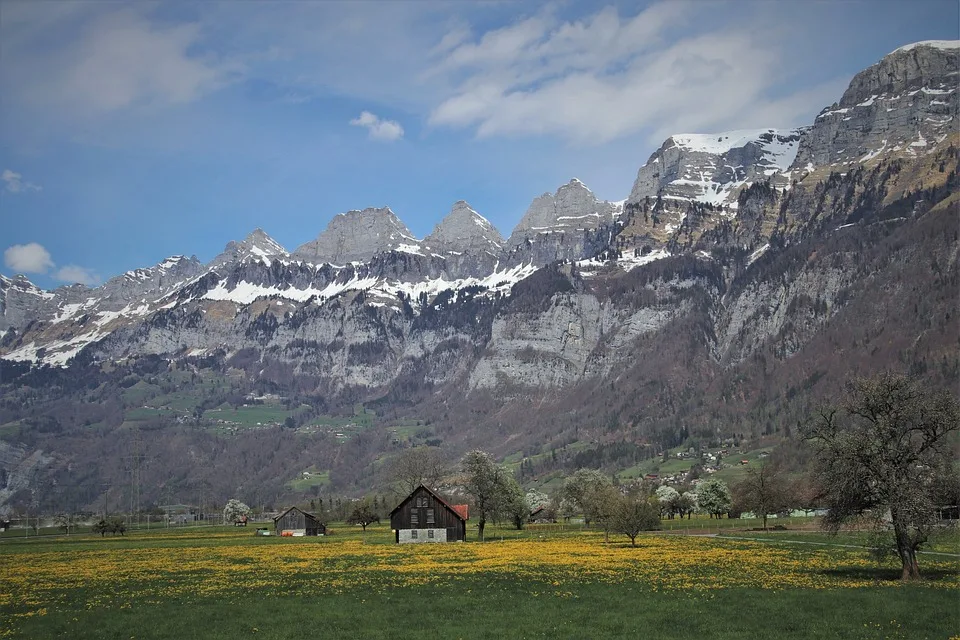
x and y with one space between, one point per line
712 168
246 292
936 44
628 262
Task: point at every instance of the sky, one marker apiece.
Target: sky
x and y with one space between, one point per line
130 132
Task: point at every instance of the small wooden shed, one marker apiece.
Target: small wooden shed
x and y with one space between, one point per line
423 516
297 522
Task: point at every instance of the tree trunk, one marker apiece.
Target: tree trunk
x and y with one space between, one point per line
906 551
480 525
911 571
633 540
764 522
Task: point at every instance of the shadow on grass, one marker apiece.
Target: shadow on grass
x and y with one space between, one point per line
891 574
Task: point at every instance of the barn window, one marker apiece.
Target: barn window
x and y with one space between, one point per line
414 518
413 533
429 533
430 519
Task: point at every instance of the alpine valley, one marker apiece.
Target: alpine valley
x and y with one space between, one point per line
744 279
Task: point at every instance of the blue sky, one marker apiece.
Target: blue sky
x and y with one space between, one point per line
131 132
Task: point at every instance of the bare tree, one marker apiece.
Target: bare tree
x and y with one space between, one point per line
882 453
363 514
416 466
633 514
489 484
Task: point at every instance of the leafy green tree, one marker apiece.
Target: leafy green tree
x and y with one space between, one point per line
763 491
363 514
515 504
713 497
101 527
884 452
583 490
633 514
113 525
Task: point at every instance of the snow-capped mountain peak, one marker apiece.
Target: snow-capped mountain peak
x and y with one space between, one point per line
257 245
713 167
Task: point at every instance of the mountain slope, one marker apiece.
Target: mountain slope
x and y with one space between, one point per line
678 318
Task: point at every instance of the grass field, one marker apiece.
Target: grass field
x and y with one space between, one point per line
544 582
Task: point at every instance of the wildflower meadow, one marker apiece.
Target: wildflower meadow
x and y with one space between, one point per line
539 583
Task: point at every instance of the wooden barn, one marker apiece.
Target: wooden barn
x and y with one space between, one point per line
297 522
423 516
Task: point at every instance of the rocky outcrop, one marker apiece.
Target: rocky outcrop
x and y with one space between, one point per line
257 245
470 245
21 302
357 236
713 167
905 104
464 230
143 285
573 208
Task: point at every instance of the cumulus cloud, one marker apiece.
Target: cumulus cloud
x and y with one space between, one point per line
606 76
34 258
74 274
378 129
14 182
28 258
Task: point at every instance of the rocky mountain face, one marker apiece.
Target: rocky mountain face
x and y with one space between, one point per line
257 245
572 208
711 168
357 236
20 302
737 287
905 104
470 245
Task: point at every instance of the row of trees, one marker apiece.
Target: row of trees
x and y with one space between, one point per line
885 453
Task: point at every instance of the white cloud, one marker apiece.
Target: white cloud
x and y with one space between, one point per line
14 182
386 130
73 274
106 59
28 258
606 76
34 258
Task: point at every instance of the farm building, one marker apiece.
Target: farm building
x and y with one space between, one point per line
297 522
423 516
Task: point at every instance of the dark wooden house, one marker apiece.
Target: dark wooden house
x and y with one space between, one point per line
423 516
297 522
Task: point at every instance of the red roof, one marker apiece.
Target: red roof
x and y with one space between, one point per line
463 510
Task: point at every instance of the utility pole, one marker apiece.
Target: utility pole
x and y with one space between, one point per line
135 459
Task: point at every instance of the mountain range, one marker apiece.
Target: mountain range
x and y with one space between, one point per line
746 275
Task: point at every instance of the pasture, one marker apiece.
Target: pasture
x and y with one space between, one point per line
544 582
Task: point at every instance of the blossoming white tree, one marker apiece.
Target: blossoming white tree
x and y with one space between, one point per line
234 510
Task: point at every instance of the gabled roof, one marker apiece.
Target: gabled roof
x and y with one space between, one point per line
461 510
309 515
